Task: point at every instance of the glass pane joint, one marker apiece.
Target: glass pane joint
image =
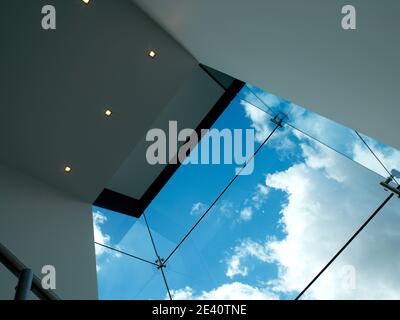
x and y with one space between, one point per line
389 187
160 262
278 119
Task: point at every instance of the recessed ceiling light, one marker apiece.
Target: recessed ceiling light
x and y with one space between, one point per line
86 1
67 169
152 54
108 113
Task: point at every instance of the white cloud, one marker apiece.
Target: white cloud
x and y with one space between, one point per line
198 208
329 197
235 268
345 140
263 126
246 214
103 238
319 127
182 294
389 156
259 195
246 249
99 236
228 291
227 208
325 159
254 203
271 100
260 121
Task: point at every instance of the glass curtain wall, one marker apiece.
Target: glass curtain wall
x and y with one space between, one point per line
213 234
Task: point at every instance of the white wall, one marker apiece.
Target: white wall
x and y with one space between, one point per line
198 94
42 225
298 50
55 85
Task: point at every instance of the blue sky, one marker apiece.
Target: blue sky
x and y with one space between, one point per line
271 231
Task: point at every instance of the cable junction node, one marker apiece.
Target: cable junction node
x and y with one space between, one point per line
278 119
389 187
160 263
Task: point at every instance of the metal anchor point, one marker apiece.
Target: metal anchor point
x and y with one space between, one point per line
160 263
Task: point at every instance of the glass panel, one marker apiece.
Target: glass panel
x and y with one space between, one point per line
285 222
385 159
194 187
368 268
336 136
271 232
260 99
124 278
222 78
122 232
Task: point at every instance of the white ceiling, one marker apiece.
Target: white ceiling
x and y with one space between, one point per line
56 84
298 50
188 107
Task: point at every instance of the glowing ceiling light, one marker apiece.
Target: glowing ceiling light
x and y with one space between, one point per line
152 54
67 169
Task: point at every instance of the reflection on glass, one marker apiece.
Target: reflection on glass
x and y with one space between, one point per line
194 187
284 224
385 159
120 277
122 232
273 230
259 99
336 136
368 268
